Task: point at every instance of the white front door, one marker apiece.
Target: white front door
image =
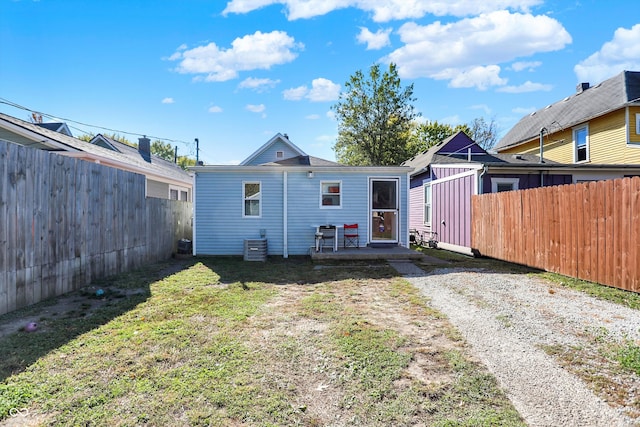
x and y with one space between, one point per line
384 216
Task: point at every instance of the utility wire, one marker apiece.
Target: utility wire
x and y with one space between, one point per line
115 131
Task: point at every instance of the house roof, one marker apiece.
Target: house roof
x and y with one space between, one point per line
421 161
303 161
278 137
135 155
587 103
129 159
56 127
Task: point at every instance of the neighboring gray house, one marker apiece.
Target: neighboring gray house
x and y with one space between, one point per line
164 179
281 193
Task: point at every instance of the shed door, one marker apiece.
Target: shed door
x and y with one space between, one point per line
384 210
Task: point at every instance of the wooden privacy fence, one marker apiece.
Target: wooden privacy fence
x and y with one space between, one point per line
65 222
590 231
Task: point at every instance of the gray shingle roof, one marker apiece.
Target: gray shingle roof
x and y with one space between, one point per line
157 166
610 95
304 161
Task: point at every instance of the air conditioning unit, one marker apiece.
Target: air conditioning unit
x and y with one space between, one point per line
255 249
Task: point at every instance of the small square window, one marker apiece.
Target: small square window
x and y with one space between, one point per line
279 154
504 184
331 194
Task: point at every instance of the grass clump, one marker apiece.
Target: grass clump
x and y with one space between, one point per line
213 342
607 293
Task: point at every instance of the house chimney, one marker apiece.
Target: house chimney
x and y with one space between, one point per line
582 87
144 148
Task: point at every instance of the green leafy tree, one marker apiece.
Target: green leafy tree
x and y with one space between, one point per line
484 133
184 162
374 116
167 152
426 135
115 136
163 149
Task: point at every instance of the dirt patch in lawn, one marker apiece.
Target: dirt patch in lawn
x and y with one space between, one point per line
279 343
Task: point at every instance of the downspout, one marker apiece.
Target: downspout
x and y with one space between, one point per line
542 131
285 216
485 169
194 222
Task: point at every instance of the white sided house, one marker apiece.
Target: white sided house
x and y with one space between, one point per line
281 194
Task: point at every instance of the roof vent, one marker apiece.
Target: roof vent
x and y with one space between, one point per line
582 87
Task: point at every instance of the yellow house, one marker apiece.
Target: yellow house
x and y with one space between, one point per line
598 125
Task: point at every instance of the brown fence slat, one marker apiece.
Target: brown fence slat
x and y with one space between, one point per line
589 230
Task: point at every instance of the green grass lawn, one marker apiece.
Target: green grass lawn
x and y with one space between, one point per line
219 341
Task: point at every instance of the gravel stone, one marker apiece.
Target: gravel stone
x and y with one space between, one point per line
507 317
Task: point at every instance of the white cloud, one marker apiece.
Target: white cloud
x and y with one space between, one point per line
462 50
526 87
621 53
522 65
383 10
256 108
168 101
479 77
215 109
376 40
313 117
259 85
296 93
251 52
322 90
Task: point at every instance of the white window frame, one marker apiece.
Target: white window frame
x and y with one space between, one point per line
426 211
279 155
258 198
575 143
178 191
637 123
323 193
496 181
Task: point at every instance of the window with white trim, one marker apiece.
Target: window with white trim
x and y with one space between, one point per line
252 198
504 184
330 194
637 124
581 144
427 204
279 155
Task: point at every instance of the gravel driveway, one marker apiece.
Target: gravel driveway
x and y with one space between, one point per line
506 318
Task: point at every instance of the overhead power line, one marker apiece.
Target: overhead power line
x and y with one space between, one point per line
116 131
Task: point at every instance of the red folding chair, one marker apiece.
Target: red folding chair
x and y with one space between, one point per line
351 236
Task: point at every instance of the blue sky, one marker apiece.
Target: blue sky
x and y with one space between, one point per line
234 73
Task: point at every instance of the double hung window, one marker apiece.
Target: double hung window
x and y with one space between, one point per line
427 204
331 194
252 197
581 144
